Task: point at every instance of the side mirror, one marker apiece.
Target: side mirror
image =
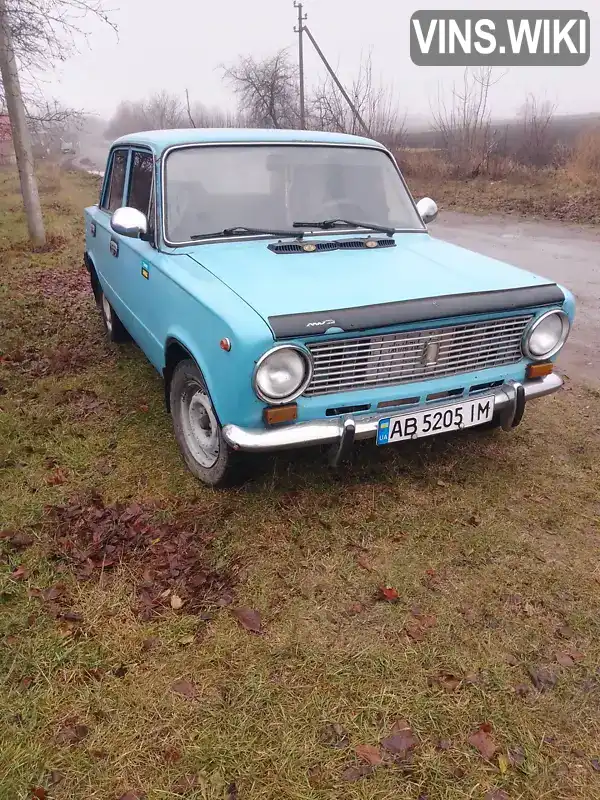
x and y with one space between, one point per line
428 209
130 222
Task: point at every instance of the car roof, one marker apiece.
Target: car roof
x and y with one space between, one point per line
160 140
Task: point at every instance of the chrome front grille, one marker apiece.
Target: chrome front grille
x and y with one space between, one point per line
371 361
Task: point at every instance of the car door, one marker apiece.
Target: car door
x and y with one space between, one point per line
104 242
136 259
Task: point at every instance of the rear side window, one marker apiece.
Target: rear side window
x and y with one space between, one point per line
113 198
140 181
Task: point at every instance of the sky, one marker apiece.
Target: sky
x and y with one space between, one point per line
180 44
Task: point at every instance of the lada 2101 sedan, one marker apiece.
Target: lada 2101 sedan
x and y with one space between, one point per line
286 287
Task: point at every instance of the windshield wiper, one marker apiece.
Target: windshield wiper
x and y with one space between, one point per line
241 229
329 224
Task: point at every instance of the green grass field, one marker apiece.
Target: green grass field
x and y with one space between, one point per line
129 666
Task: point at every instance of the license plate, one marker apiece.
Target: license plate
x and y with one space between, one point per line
436 420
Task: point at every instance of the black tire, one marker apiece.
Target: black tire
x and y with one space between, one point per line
113 327
198 430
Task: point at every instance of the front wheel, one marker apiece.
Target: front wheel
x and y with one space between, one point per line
197 429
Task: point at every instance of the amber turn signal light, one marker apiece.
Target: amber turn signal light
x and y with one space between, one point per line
539 370
273 416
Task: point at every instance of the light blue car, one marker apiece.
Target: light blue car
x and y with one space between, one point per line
285 286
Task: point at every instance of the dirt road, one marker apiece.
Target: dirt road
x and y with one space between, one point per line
568 254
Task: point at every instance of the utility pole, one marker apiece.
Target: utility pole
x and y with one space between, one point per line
18 122
300 30
353 108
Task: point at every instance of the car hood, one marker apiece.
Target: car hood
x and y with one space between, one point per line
420 267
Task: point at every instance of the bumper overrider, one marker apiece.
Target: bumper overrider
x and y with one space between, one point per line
509 403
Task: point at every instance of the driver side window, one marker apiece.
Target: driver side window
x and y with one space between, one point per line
113 196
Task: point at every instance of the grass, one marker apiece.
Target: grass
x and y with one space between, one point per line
490 540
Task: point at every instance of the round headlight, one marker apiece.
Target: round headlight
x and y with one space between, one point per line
546 335
282 374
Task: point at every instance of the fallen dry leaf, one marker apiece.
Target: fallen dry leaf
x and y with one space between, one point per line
502 763
189 639
131 795
516 755
149 644
171 755
17 540
52 592
176 602
72 616
446 681
595 764
521 689
565 632
39 793
369 753
248 618
185 784
497 794
567 658
355 773
335 735
542 677
57 477
364 562
56 777
184 687
443 744
21 573
354 608
232 791
402 739
388 593
72 734
25 683
482 740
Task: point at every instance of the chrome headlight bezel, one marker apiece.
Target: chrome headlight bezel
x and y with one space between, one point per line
308 373
534 324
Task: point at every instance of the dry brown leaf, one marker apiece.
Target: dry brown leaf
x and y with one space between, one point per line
482 740
497 794
542 677
39 793
369 753
388 593
446 681
149 644
176 602
248 618
131 795
184 687
565 632
21 573
402 739
335 735
364 562
355 773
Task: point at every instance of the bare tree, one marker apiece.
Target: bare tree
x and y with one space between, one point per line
33 35
375 104
464 123
536 146
267 90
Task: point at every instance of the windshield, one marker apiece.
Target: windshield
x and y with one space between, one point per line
211 188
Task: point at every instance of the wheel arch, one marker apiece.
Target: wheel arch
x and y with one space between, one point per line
176 351
94 280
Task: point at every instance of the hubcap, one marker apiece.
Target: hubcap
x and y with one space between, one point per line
107 314
200 426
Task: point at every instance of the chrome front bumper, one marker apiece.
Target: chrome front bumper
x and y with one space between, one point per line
510 400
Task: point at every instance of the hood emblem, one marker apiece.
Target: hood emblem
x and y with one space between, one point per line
318 324
430 353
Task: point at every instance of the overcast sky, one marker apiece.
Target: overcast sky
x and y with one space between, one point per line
179 44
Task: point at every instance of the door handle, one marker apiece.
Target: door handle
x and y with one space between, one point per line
114 247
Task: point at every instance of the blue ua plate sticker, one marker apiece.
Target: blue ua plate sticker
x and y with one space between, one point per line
383 431
145 270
